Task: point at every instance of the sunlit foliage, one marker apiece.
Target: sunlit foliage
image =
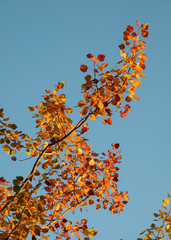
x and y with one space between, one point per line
67 173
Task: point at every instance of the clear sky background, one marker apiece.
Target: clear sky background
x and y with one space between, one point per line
44 42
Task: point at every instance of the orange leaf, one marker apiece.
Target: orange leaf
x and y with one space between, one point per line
84 111
31 109
109 121
98 206
92 117
123 114
77 235
83 68
138 24
80 104
104 121
83 221
104 65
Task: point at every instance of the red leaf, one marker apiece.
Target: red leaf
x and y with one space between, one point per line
130 28
89 55
122 46
116 145
83 68
14 158
144 26
145 33
101 57
128 99
133 34
123 114
2 179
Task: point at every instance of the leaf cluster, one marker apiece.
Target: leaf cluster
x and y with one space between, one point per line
67 174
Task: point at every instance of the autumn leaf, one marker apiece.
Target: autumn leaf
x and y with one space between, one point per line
69 110
89 55
79 151
31 109
92 117
116 145
144 26
122 46
145 33
83 68
104 121
123 114
130 28
101 57
166 201
13 126
14 158
91 162
109 120
138 24
128 99
84 111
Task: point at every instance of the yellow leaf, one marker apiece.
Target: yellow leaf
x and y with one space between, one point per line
100 105
92 232
79 151
135 83
13 151
62 98
42 106
166 201
122 53
134 95
57 206
67 150
46 143
91 162
28 152
127 76
92 117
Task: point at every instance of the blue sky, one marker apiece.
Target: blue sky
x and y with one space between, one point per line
44 42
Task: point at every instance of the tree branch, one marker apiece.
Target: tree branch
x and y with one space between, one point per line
29 177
